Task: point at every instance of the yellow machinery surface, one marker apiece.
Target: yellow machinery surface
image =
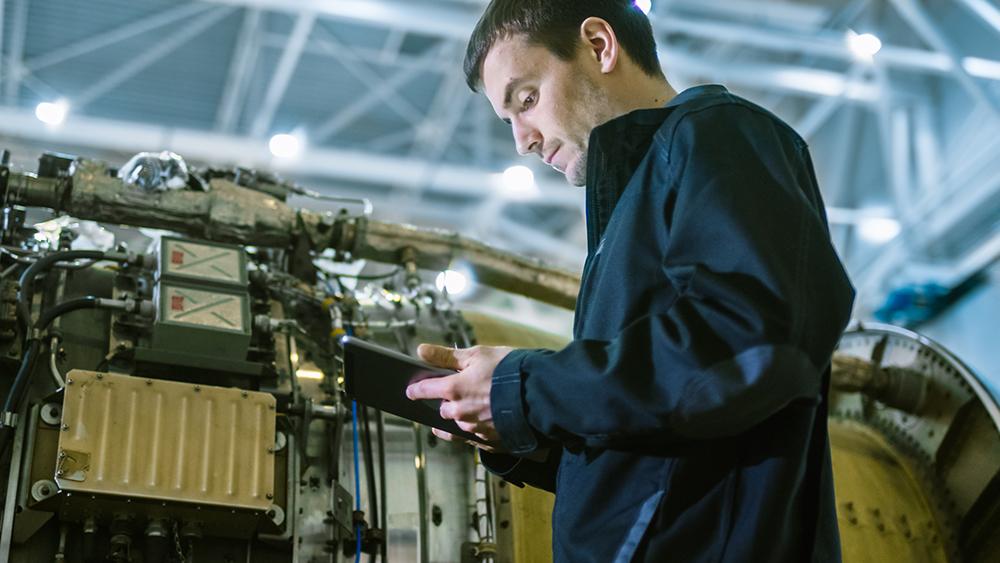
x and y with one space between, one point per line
154 439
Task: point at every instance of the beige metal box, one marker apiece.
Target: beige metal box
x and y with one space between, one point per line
163 440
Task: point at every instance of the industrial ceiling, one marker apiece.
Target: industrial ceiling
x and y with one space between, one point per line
905 141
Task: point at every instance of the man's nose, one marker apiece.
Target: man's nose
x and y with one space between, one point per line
527 139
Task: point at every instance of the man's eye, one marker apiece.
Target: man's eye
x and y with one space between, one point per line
529 101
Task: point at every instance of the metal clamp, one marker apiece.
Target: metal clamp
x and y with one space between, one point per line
8 419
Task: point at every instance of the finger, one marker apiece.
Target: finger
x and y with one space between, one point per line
446 436
466 410
433 388
439 356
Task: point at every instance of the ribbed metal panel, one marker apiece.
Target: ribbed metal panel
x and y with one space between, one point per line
164 440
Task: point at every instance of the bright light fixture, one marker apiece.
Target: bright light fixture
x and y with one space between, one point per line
518 182
52 113
878 230
454 283
863 45
285 145
644 5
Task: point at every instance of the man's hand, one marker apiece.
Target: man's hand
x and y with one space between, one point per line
465 396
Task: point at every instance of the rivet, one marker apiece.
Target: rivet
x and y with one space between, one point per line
269 496
69 382
244 394
100 376
197 388
65 427
149 382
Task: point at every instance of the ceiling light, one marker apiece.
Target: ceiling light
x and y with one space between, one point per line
52 113
452 282
285 145
878 230
864 45
518 182
644 5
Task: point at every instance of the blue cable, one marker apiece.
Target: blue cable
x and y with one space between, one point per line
357 479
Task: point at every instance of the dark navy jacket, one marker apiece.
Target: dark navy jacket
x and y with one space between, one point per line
687 419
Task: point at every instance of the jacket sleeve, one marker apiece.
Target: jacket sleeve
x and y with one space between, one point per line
757 300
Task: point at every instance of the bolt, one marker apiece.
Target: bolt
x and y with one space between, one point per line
149 382
100 376
69 382
269 496
65 427
197 388
244 394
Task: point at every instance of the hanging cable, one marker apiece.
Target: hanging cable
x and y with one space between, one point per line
357 481
366 444
383 523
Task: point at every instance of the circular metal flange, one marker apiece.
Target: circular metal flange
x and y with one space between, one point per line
43 489
276 514
51 414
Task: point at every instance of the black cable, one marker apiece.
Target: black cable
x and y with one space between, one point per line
366 438
19 388
27 279
383 523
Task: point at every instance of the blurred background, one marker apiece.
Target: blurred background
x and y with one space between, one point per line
898 99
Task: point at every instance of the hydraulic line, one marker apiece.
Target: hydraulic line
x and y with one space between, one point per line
366 437
357 481
27 280
383 497
20 386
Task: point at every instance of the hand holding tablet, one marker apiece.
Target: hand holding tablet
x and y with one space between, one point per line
423 393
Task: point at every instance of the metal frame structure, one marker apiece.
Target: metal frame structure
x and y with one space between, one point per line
408 134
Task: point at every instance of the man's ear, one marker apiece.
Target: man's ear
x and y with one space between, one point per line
601 43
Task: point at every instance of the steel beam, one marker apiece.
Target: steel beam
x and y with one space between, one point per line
435 20
239 71
921 22
142 61
359 107
116 35
986 11
283 73
15 52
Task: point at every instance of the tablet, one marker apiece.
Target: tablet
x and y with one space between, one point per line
378 377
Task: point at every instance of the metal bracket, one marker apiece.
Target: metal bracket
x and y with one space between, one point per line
9 419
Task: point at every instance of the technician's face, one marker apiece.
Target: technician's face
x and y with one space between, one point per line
550 104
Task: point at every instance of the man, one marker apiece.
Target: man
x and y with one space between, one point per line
686 421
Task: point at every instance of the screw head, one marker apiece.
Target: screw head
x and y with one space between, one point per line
69 381
100 376
197 388
65 427
244 394
269 496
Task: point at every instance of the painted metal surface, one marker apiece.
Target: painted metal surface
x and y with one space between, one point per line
135 437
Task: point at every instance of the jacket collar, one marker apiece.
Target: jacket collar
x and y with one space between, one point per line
614 152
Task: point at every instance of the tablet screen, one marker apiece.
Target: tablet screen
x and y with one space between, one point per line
378 377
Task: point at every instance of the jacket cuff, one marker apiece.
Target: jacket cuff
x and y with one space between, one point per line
507 405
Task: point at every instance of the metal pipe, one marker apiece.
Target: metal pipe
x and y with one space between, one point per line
230 213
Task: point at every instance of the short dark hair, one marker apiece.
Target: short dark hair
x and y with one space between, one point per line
555 25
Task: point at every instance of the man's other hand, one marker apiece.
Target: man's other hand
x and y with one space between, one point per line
465 396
